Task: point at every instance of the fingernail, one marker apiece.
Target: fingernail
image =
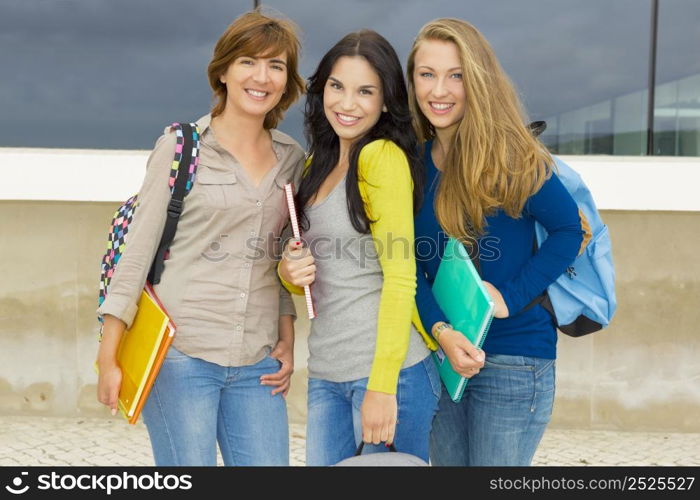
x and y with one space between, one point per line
114 411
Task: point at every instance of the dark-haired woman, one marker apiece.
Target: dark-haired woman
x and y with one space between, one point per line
370 375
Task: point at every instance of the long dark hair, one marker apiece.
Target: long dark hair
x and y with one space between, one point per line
394 125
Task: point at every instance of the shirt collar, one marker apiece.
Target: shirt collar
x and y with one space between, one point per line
280 141
203 123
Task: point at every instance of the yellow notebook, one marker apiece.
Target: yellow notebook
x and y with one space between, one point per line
160 356
149 335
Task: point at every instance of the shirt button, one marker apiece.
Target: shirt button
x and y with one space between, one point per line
258 203
242 295
238 328
252 233
246 264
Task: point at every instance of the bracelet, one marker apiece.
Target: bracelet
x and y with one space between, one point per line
440 328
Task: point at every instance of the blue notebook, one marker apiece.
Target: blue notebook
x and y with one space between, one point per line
462 296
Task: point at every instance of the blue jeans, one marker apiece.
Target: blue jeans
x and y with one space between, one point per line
334 423
501 417
194 404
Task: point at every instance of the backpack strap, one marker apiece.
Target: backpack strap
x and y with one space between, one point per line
542 298
181 182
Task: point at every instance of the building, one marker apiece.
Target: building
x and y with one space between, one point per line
85 91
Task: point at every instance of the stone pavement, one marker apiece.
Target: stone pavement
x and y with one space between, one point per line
96 441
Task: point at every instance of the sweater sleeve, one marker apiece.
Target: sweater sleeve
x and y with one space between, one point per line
386 188
554 208
145 232
428 308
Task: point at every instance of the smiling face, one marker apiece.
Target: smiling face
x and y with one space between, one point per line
352 98
255 85
437 80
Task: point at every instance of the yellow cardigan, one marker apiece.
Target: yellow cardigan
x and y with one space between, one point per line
386 188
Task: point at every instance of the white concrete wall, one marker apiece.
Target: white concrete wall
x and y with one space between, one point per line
641 373
617 182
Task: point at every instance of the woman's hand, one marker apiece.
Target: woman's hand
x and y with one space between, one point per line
501 309
109 380
284 353
465 358
379 413
297 264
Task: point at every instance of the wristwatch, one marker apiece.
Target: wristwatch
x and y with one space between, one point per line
440 328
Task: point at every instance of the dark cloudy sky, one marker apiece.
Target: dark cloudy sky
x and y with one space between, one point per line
112 73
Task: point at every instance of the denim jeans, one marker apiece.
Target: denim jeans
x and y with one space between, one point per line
334 422
501 417
195 403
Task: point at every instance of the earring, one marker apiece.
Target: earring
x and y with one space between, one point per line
384 110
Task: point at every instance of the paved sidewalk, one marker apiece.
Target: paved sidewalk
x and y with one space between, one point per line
93 441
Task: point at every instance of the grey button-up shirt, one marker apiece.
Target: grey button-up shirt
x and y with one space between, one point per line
220 284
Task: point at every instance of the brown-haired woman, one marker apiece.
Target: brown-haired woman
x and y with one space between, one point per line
235 334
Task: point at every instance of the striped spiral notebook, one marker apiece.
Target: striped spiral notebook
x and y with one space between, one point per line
462 296
289 191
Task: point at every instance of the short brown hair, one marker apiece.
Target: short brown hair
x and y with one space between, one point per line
254 34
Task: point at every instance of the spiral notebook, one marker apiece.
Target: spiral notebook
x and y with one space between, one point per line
289 191
462 296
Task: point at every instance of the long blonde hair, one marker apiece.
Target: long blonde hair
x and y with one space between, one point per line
493 161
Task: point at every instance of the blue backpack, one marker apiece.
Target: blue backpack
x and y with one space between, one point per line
582 300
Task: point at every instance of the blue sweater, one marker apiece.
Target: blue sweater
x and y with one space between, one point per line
507 261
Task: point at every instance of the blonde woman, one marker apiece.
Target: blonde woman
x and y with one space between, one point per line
487 181
224 378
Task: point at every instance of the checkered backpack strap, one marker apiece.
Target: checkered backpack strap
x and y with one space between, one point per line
182 175
186 159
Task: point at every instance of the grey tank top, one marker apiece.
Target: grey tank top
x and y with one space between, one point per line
346 293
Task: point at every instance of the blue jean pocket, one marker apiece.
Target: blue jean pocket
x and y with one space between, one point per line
505 381
175 355
433 376
506 362
545 376
267 366
270 361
